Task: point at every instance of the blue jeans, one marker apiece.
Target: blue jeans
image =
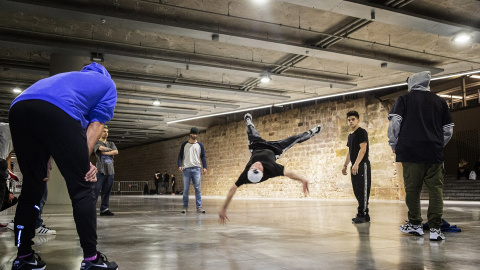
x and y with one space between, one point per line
193 173
104 183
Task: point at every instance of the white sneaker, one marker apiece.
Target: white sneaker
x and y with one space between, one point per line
45 231
314 131
184 210
11 225
200 210
436 235
248 119
411 229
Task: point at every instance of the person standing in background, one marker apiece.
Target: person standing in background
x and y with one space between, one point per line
190 161
173 184
105 151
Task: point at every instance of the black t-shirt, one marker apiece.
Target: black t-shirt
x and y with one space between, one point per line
354 140
270 167
166 177
424 114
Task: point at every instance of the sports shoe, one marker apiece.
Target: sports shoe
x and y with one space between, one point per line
248 119
200 210
32 262
101 263
314 131
12 176
359 219
367 218
106 213
411 229
436 235
43 230
184 210
11 225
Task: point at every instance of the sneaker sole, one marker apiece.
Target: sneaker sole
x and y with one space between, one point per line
414 232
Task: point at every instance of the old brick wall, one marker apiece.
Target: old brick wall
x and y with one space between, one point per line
320 159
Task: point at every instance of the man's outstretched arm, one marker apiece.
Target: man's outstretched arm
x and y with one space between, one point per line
222 214
295 176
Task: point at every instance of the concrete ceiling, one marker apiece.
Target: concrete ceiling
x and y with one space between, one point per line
199 58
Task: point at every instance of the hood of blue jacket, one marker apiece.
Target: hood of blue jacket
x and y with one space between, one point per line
97 68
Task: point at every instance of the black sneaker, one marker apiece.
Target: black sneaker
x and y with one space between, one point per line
101 263
359 219
106 213
248 119
33 262
367 218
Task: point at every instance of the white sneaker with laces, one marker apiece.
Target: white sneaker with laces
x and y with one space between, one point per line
10 225
314 131
436 235
45 231
411 229
200 210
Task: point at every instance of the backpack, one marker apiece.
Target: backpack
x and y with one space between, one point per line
472 175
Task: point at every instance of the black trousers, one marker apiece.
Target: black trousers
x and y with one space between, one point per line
255 141
40 129
362 183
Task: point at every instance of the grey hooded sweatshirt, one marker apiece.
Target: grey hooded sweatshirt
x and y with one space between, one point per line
420 123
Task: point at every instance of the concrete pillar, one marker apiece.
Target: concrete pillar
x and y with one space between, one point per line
57 189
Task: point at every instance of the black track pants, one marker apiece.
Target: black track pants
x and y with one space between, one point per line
40 129
362 183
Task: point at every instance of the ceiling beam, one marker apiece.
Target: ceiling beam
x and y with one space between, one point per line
153 109
188 102
152 25
392 16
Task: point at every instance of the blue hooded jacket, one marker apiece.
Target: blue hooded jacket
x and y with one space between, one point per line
87 96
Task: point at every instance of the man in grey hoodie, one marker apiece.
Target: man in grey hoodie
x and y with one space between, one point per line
420 126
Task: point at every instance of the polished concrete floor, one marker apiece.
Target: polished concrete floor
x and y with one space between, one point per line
149 232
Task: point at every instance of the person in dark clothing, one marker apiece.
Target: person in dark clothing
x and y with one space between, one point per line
361 176
61 116
463 170
157 178
262 164
173 184
166 181
420 127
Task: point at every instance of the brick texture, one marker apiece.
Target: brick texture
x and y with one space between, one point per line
319 159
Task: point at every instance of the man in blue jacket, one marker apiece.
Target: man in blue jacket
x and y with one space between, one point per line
61 116
190 161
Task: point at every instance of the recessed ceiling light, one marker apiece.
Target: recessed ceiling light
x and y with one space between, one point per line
265 79
475 76
156 103
17 90
462 37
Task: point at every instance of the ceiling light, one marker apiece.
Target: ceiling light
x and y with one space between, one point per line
156 102
17 90
475 76
462 37
451 96
96 57
265 79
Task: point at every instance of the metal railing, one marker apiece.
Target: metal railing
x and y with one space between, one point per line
130 187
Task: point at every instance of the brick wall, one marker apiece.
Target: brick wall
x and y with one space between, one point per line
320 159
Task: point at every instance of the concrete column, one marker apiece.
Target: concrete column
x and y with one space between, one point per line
57 189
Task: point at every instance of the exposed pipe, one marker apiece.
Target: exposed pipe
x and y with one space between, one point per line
464 93
405 3
394 4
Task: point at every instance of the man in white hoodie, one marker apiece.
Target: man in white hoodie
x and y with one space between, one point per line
420 126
